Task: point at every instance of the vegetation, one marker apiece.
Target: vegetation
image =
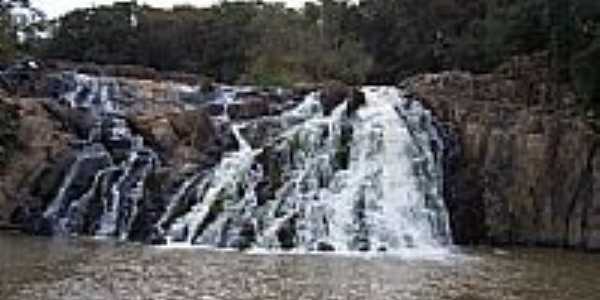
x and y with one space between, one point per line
19 35
7 34
375 41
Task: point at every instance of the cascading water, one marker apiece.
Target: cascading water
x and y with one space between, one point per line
371 181
101 191
365 180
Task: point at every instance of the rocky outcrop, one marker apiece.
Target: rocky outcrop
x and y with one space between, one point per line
179 136
36 157
526 166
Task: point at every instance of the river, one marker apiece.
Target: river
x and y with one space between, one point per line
68 269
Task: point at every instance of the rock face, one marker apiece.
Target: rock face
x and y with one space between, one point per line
179 136
34 167
522 171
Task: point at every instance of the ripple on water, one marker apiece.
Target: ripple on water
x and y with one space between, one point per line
51 270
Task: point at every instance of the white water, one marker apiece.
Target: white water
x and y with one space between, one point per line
389 198
101 97
369 180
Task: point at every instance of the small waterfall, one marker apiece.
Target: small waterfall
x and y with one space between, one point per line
101 192
364 180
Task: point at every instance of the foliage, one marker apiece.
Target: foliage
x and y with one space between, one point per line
19 36
375 41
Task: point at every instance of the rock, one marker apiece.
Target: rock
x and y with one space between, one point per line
194 126
41 141
325 247
333 94
156 129
24 78
73 120
156 239
516 172
36 224
286 234
215 109
249 107
364 246
180 137
357 99
246 238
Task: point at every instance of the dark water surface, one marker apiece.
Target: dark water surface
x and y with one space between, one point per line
46 269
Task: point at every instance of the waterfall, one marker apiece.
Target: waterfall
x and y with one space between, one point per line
364 180
100 193
368 182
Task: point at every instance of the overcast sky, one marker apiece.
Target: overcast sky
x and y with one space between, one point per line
55 8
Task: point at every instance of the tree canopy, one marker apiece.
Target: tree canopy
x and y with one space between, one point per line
375 41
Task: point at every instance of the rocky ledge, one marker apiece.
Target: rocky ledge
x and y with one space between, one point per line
523 166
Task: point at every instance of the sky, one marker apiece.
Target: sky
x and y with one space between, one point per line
55 8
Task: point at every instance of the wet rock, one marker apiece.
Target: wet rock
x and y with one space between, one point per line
357 99
271 162
286 235
246 238
409 241
262 131
363 246
178 233
215 109
156 239
47 179
334 94
74 120
249 107
36 224
325 247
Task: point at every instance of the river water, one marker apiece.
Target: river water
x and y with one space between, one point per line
37 268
